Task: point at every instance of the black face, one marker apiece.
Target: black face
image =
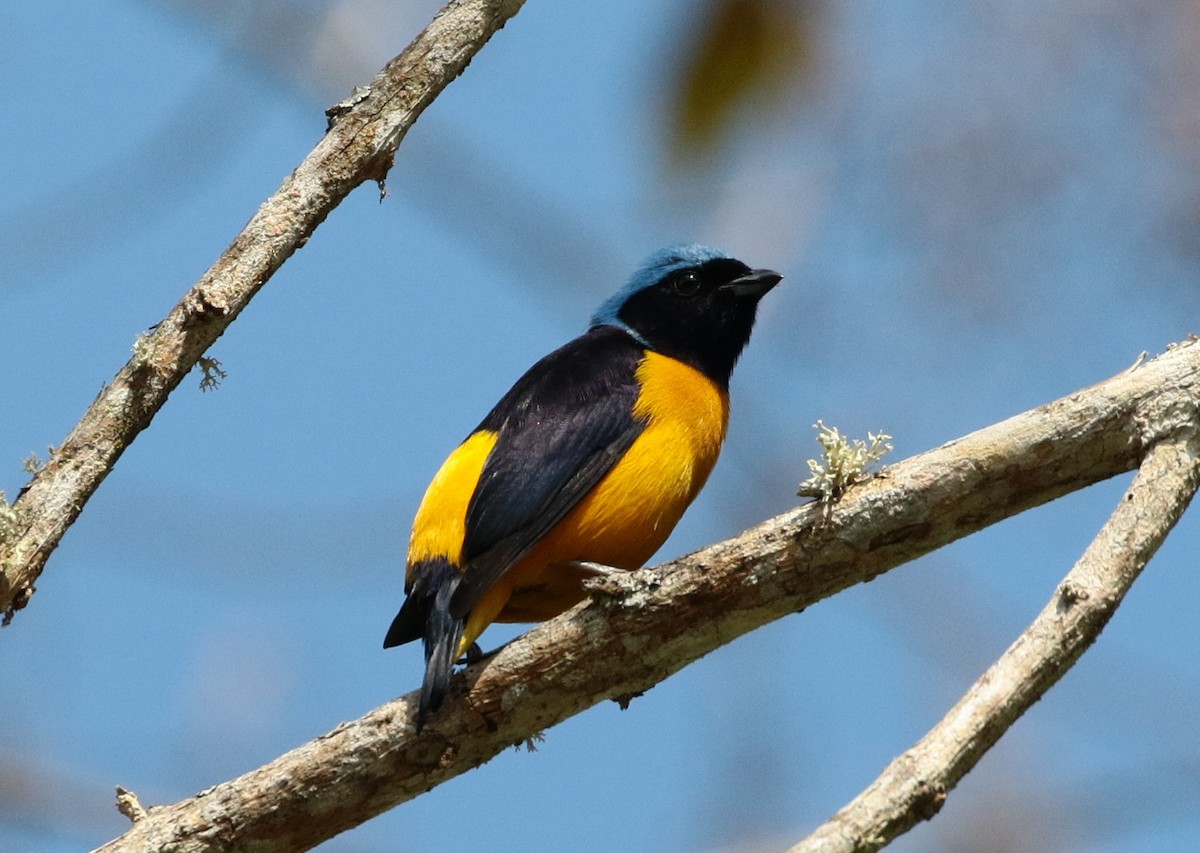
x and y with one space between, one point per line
701 315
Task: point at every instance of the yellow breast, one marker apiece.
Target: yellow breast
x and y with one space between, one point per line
632 510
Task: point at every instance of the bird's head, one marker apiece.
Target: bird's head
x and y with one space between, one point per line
692 303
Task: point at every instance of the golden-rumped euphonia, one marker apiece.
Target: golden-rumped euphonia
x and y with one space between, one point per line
586 464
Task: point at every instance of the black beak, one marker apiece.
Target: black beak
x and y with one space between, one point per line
753 284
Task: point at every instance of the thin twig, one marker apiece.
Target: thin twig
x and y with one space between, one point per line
915 785
129 805
358 147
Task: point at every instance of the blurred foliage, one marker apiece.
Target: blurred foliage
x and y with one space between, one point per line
744 58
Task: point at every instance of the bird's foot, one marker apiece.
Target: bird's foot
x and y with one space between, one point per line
475 654
595 570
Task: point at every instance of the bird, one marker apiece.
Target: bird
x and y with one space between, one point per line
585 465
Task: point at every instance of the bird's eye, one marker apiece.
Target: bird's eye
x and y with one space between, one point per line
687 284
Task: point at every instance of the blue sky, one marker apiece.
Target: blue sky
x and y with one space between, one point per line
975 210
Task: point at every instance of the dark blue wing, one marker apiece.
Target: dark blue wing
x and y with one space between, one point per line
560 429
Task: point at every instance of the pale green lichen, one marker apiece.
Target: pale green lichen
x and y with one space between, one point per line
530 743
143 347
33 463
213 374
10 517
844 462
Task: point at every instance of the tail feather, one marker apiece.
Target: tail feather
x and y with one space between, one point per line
442 635
426 614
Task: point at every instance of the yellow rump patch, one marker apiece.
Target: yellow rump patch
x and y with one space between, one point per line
441 523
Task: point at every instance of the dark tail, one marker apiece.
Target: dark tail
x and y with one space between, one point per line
426 614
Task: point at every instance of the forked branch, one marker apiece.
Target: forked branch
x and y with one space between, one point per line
640 628
914 786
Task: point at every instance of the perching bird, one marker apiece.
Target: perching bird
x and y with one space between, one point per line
587 462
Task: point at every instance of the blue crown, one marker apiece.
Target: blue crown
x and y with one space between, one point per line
657 267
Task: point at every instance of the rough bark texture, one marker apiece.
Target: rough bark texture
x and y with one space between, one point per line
359 147
640 628
915 785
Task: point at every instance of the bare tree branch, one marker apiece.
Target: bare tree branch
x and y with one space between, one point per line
640 628
359 147
915 785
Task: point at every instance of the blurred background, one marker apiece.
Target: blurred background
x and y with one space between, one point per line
978 208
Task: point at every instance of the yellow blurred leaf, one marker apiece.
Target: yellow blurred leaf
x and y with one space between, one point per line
742 59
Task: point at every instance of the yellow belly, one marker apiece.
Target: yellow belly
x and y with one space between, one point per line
628 515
